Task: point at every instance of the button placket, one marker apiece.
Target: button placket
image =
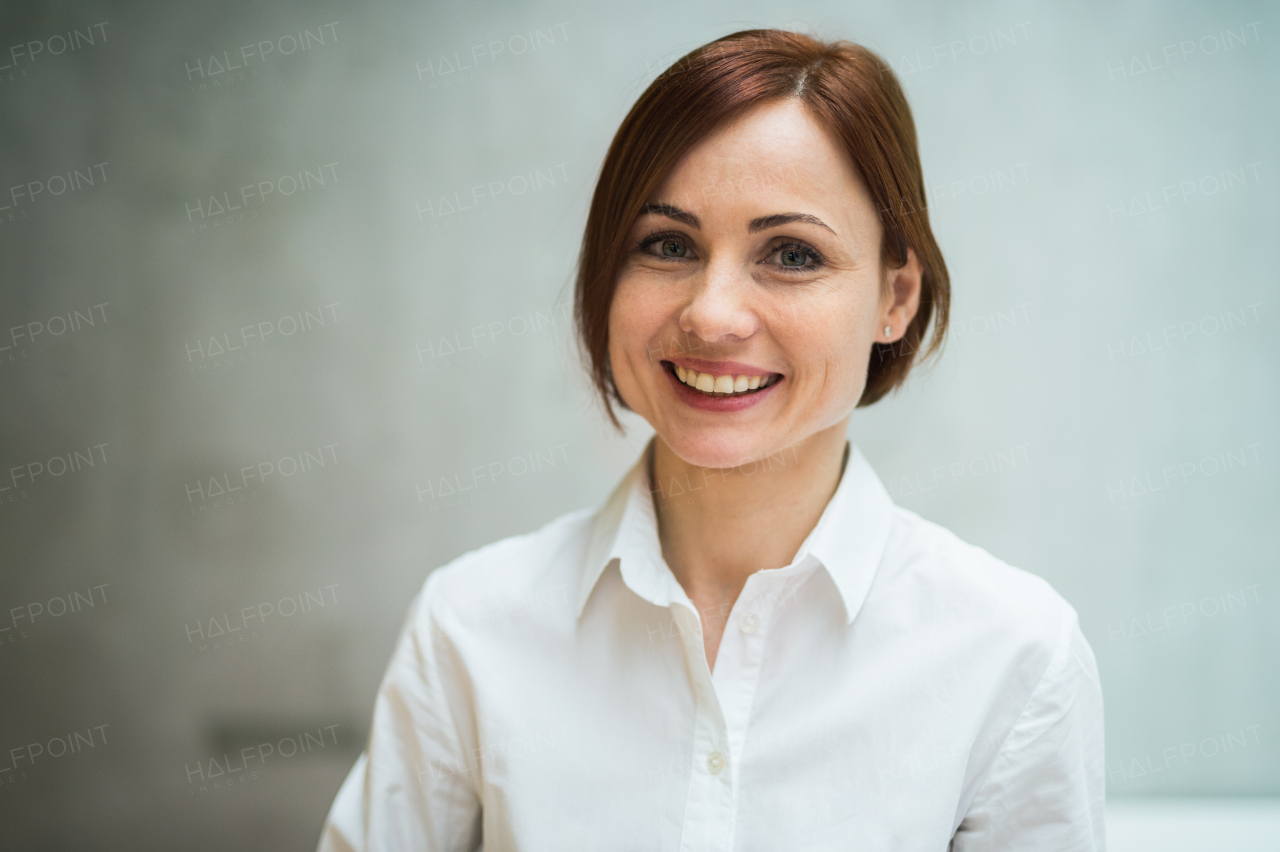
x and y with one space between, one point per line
708 818
757 600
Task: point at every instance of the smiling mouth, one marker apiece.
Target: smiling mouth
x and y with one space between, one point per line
714 385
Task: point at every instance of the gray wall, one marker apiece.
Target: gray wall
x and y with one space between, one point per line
1104 188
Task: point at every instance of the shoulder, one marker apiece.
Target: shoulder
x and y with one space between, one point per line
980 604
933 552
539 568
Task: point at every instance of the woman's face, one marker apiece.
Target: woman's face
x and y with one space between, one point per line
752 292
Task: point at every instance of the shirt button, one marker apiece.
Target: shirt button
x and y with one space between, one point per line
715 763
749 622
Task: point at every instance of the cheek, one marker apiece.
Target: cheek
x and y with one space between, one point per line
622 326
831 343
636 318
633 322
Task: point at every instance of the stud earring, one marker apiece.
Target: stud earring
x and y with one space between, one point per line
888 330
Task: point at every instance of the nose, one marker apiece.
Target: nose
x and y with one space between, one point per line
719 308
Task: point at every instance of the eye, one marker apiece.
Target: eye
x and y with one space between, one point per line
674 248
796 257
667 245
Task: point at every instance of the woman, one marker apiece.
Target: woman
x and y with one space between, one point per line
749 646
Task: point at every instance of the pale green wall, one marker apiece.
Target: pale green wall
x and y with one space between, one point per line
1059 276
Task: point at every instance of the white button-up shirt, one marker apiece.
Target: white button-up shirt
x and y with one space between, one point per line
893 688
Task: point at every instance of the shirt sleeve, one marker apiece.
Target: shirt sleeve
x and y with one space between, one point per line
414 787
1046 787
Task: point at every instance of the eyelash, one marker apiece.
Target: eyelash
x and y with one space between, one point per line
815 257
658 237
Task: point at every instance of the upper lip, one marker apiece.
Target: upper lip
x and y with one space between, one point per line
721 368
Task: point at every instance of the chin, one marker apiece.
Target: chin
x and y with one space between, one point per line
719 448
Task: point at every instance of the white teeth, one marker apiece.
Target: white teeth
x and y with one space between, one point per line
708 383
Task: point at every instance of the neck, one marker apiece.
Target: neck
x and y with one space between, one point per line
719 526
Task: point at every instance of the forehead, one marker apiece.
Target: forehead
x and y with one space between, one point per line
774 156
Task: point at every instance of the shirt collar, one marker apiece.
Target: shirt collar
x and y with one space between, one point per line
848 540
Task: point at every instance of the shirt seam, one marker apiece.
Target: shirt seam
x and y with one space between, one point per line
438 688
1061 651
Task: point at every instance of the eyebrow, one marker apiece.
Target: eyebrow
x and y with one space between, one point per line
673 212
763 223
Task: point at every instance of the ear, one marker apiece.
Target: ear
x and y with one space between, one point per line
899 299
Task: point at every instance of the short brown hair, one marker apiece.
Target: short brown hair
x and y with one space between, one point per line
849 90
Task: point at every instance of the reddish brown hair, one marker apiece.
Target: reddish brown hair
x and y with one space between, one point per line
848 89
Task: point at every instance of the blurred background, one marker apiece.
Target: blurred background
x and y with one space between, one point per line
275 278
